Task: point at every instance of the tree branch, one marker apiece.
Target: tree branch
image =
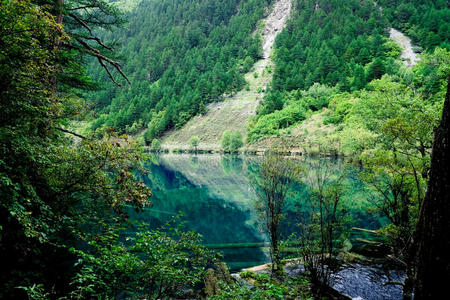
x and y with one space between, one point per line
81 22
101 58
70 132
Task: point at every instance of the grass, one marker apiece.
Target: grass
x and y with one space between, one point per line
232 114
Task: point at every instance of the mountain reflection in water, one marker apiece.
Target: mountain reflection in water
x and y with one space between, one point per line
215 196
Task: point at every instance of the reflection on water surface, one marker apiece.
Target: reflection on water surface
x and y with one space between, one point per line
215 195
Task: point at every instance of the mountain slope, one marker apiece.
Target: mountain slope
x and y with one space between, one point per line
235 112
180 55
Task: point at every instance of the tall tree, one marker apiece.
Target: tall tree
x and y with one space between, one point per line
49 183
433 229
275 179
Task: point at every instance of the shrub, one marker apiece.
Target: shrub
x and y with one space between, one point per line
226 139
156 145
156 264
317 96
236 141
193 142
268 125
232 141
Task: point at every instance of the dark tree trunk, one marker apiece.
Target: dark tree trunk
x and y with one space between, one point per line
433 228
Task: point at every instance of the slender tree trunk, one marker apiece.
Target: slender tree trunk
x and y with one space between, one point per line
60 9
275 251
433 228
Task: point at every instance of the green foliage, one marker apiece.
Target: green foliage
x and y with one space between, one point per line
247 64
313 54
226 139
268 125
276 177
236 141
231 141
394 49
397 165
340 106
325 226
36 292
133 129
183 55
317 96
264 288
426 21
389 129
51 181
431 74
314 50
156 145
153 264
272 102
193 142
156 126
247 275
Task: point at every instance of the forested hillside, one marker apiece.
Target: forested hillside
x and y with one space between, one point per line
318 60
334 85
427 22
179 56
340 44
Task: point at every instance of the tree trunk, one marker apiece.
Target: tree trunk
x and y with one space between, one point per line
433 228
60 10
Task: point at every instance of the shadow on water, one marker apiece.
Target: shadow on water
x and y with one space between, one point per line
215 196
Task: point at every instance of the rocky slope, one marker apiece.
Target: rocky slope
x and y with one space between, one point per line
408 55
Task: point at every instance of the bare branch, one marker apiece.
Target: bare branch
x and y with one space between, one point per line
70 132
81 22
107 71
101 58
99 42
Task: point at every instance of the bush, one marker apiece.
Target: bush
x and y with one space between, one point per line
156 145
156 264
317 96
340 106
226 139
247 64
232 141
417 49
268 125
156 126
193 142
236 141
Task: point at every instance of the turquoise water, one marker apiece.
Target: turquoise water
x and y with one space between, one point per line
215 195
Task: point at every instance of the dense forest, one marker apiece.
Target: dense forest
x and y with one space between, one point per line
426 22
66 195
317 60
180 57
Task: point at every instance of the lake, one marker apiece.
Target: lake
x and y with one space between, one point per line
215 195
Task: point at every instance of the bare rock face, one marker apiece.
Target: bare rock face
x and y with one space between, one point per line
275 22
408 55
